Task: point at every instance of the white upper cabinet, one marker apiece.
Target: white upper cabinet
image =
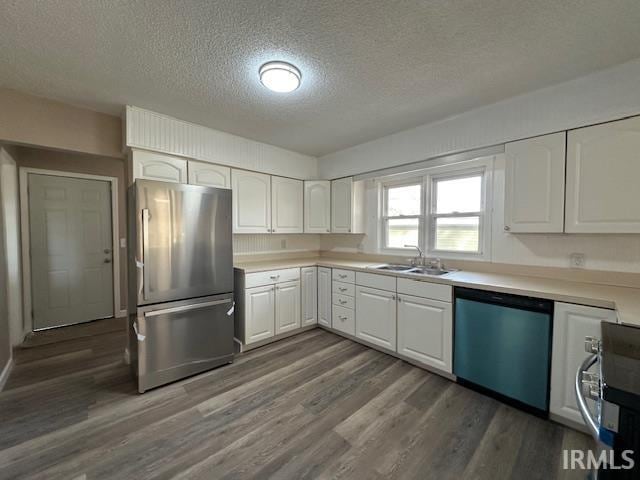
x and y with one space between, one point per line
286 205
317 206
347 206
603 168
157 166
534 184
251 202
571 324
209 175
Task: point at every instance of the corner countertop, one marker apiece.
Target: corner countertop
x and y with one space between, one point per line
625 300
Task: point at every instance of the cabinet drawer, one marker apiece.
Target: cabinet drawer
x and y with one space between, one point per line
344 320
344 301
437 291
344 288
274 276
381 282
344 275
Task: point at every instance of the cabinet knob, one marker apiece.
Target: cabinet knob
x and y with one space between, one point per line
507 228
328 230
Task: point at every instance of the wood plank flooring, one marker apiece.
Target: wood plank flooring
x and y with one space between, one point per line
311 406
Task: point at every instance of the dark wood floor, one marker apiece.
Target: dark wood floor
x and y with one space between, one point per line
311 406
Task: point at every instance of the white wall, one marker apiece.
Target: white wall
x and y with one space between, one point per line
598 97
9 199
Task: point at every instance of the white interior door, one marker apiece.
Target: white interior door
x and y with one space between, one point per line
71 250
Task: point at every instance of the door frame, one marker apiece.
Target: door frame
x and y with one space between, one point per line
26 240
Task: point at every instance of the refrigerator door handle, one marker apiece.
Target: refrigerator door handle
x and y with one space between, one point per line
145 245
589 418
186 308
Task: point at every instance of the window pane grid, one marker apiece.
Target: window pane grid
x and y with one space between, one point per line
441 214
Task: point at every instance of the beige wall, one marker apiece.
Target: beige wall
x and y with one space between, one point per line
37 121
9 198
5 346
87 164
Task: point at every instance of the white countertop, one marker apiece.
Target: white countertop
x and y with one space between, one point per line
625 300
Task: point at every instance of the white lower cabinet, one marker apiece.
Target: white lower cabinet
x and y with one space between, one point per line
309 285
259 316
287 306
376 316
324 296
571 324
425 331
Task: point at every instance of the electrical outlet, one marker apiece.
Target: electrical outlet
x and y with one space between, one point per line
283 244
577 260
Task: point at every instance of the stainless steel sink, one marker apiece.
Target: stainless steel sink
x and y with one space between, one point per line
393 268
427 271
410 269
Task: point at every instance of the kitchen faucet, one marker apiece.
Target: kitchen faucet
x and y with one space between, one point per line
419 260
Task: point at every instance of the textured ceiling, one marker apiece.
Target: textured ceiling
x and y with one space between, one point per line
370 67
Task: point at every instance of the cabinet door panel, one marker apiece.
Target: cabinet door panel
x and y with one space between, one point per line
324 296
534 184
156 166
309 277
259 313
571 323
251 202
603 167
376 317
286 205
341 205
317 206
287 307
209 175
425 331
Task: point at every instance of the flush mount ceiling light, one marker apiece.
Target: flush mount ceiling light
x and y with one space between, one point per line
281 77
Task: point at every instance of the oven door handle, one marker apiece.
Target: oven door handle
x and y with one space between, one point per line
589 419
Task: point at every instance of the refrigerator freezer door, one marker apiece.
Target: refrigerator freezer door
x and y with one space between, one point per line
184 244
180 339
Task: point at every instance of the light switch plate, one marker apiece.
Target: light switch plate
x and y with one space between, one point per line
577 260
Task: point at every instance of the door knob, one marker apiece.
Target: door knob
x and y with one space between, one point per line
106 250
107 260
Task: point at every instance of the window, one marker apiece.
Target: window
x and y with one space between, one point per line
402 215
456 213
442 211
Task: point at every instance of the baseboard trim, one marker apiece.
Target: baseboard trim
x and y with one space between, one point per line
122 314
6 371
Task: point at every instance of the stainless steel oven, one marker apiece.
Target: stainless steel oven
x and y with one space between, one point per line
610 376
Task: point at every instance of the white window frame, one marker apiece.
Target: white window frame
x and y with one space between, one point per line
432 216
426 177
385 218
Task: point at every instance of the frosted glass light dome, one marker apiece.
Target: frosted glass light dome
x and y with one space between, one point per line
281 77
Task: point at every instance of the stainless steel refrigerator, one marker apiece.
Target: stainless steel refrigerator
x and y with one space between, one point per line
180 281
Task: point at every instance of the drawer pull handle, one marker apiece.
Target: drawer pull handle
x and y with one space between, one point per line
342 289
274 277
342 302
342 318
342 276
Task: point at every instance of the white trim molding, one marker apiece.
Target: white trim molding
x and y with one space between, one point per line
26 241
6 371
